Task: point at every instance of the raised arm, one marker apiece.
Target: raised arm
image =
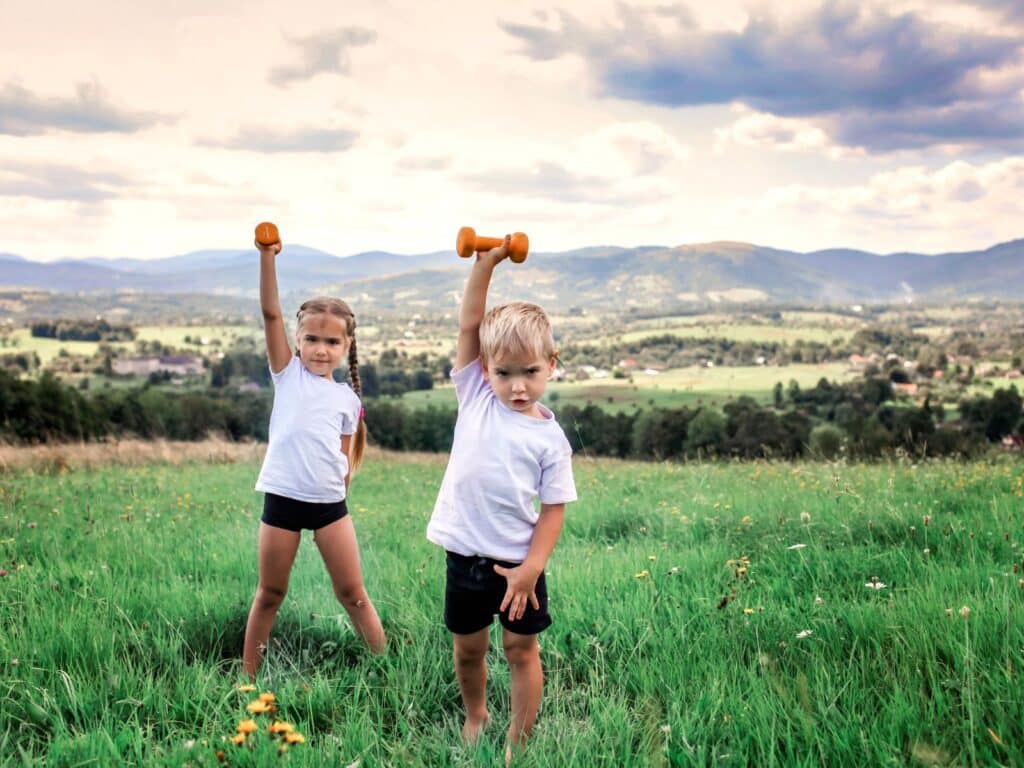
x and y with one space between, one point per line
474 304
279 351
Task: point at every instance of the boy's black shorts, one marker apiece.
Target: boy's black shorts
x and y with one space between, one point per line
473 594
294 515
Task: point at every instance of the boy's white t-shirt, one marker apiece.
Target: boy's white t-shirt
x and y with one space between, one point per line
501 462
304 459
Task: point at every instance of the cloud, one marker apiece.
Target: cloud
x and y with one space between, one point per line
985 197
59 182
300 140
23 113
783 134
1010 9
841 64
323 52
424 163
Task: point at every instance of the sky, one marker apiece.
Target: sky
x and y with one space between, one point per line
149 129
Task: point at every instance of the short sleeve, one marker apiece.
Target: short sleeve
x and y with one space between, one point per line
469 382
557 485
350 411
287 371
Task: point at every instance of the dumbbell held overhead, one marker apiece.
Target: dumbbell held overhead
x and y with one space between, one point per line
468 242
267 234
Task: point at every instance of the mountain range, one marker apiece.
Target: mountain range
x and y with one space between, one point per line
601 277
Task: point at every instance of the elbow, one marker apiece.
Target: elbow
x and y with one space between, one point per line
271 314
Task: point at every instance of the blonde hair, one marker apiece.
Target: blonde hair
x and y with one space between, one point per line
518 328
329 305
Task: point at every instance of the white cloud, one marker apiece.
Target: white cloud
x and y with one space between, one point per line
781 134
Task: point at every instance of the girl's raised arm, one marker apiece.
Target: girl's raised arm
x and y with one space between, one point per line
279 351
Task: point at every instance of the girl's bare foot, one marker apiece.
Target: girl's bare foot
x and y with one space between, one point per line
472 729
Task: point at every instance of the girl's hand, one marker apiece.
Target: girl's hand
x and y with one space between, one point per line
522 584
273 249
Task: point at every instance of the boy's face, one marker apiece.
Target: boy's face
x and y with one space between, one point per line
322 341
519 381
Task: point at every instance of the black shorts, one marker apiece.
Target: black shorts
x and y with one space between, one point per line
473 594
294 515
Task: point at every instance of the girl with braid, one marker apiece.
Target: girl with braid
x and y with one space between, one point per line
317 436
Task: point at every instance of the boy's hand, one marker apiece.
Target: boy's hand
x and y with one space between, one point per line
273 248
495 255
522 583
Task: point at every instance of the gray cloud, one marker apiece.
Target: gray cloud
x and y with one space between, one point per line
59 182
1010 9
839 62
23 113
323 52
301 140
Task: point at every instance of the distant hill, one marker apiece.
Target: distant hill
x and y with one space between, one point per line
602 276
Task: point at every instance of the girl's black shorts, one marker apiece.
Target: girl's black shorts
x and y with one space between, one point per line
473 594
294 515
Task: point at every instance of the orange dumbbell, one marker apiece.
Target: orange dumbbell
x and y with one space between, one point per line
267 234
467 243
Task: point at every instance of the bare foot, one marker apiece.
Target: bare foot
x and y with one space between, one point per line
472 728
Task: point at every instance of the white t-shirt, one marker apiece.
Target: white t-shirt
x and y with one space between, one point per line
501 462
304 459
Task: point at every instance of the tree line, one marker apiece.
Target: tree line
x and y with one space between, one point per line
860 420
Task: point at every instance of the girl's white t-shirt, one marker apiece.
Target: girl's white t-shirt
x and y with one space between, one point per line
501 463
304 459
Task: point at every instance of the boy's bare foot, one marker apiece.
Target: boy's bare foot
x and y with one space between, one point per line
472 729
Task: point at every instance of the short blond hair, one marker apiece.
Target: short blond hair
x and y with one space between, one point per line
516 328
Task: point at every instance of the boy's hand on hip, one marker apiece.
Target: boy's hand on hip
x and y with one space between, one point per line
522 583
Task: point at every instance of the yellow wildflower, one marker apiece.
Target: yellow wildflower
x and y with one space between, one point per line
247 726
238 738
266 698
258 707
295 738
280 727
247 688
643 575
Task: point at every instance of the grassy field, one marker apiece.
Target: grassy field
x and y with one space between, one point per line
754 332
669 389
704 614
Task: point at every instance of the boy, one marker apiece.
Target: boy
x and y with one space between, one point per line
508 451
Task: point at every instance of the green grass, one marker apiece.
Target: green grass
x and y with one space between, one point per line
753 332
127 590
673 388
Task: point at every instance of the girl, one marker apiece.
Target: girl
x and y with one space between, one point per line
317 438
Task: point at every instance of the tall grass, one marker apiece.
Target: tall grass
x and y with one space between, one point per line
704 614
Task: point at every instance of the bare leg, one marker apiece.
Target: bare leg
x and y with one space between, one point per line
527 678
277 548
340 551
471 672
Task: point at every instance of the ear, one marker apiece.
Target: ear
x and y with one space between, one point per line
552 364
485 370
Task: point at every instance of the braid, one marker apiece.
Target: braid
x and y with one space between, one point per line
353 368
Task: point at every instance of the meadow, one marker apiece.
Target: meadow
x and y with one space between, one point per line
705 614
674 388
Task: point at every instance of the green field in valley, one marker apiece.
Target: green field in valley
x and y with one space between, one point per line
728 614
673 388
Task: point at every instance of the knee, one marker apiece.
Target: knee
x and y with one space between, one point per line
522 653
351 595
269 598
470 656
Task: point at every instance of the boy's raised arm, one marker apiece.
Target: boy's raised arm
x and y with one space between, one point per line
474 304
279 351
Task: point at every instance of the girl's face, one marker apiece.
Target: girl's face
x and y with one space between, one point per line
323 342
